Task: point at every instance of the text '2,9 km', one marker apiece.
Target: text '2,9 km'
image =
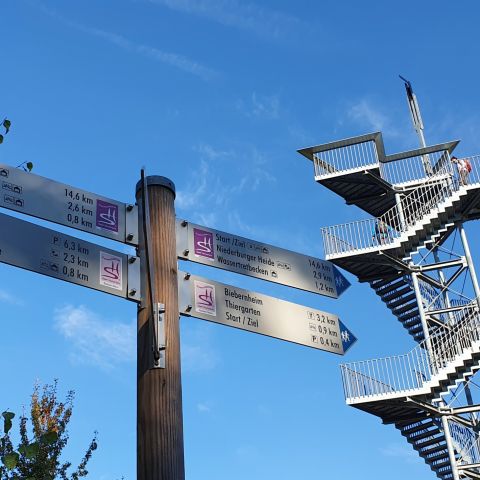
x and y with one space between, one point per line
260 260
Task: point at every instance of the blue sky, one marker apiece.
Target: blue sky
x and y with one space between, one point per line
218 95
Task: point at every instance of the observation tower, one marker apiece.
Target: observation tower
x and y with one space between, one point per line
414 253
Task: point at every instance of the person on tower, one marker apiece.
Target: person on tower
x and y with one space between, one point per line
464 168
380 232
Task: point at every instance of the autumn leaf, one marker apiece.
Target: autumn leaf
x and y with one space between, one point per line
10 460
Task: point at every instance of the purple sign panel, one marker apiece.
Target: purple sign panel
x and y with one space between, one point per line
107 216
203 244
205 298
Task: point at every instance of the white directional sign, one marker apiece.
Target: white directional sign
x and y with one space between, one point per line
242 255
59 203
257 313
45 251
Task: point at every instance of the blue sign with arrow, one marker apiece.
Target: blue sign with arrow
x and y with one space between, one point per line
348 338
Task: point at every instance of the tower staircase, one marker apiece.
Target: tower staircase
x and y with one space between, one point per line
417 200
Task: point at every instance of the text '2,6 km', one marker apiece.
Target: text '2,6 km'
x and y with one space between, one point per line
59 203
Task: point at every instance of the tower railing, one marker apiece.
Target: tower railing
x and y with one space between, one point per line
416 166
411 371
346 158
375 233
474 176
403 170
466 443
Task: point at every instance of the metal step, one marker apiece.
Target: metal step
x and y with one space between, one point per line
419 337
404 308
409 315
402 301
428 440
382 288
420 436
415 329
453 380
432 441
395 293
440 464
440 449
421 426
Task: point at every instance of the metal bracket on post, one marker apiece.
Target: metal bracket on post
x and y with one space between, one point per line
157 324
131 225
159 348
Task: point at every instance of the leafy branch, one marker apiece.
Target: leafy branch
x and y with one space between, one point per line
6 124
38 457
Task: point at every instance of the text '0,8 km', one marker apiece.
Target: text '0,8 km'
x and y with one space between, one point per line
262 314
59 203
61 256
260 260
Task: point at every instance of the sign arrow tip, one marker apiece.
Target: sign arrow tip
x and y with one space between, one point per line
341 283
348 338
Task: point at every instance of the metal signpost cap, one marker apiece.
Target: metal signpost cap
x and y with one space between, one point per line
158 181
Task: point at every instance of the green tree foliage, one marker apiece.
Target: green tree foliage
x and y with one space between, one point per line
37 457
6 124
26 166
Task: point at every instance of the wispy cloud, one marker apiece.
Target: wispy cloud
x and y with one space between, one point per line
196 191
367 114
400 451
267 106
7 297
206 191
95 341
211 199
364 112
301 134
198 353
247 453
238 14
457 125
175 60
211 153
198 358
245 227
203 408
264 410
